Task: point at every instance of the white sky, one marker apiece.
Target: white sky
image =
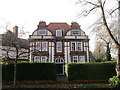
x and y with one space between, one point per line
28 13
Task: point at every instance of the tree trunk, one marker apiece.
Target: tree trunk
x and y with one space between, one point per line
118 63
15 72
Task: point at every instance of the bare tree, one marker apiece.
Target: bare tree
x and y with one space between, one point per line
93 6
14 48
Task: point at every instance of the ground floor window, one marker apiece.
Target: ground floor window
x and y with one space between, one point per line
75 59
40 59
82 59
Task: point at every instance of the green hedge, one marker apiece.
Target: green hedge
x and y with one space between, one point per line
30 71
91 71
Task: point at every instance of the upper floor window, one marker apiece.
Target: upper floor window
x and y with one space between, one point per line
38 46
73 46
59 46
79 46
59 33
42 32
75 32
76 46
42 46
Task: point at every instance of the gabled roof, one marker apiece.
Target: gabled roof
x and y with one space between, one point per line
53 26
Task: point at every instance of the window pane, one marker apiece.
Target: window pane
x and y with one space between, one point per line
82 59
73 46
59 46
44 46
43 59
36 58
75 32
58 32
79 46
75 59
42 32
38 46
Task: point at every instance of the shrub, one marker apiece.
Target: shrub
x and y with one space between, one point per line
30 71
91 71
114 81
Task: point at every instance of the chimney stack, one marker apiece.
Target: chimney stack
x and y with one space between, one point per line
15 31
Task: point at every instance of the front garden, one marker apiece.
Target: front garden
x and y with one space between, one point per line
43 75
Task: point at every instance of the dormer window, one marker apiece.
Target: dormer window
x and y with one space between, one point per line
42 32
58 33
75 32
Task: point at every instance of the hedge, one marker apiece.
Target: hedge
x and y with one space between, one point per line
91 71
30 71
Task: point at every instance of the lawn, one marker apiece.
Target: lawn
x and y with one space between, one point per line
92 85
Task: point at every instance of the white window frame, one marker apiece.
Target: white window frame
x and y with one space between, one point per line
82 59
59 48
59 60
43 59
72 46
74 32
59 33
85 46
42 30
75 59
36 58
38 46
46 47
79 46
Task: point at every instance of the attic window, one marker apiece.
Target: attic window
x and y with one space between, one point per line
59 33
75 32
42 32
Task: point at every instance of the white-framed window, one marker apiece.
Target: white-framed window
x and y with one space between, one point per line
59 60
43 58
42 32
82 59
75 32
73 46
44 46
36 58
59 46
79 46
38 46
59 33
75 59
85 46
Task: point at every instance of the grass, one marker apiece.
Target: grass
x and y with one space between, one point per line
61 86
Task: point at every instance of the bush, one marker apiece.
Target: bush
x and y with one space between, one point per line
30 71
91 71
114 81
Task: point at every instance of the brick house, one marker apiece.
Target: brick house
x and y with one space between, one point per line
59 43
7 49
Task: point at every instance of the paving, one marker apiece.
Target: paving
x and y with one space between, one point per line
61 79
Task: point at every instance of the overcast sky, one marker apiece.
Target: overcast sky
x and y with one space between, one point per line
28 13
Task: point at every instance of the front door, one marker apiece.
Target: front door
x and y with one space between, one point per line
59 69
